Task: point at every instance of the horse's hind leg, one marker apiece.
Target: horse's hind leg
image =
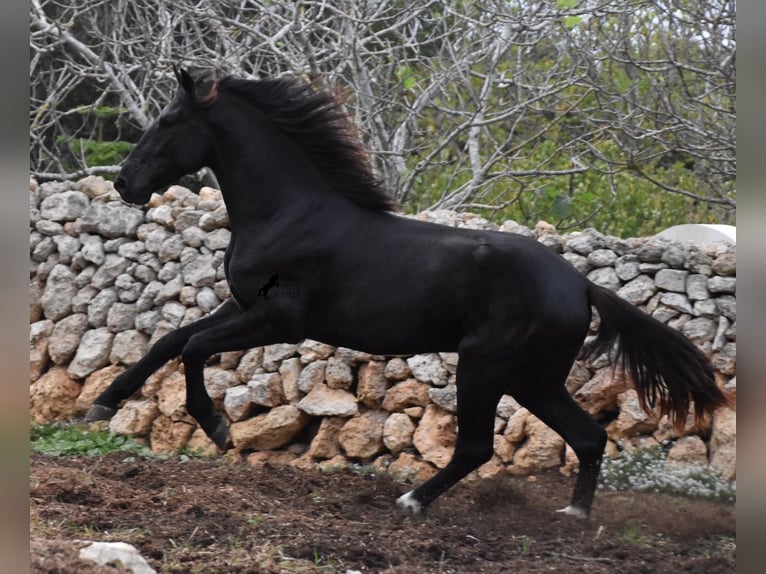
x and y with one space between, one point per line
168 347
553 405
479 388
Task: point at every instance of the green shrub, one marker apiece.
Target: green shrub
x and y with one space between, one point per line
78 439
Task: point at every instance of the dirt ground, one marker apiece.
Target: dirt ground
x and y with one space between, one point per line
213 516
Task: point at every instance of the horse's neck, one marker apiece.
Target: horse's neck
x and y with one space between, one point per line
262 201
274 182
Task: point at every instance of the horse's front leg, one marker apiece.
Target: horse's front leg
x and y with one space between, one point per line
165 349
252 328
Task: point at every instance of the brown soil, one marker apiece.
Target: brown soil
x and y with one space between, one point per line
214 516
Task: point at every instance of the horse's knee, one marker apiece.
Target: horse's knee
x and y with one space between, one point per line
472 455
193 352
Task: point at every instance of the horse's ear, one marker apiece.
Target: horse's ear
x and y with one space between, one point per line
184 80
203 91
209 95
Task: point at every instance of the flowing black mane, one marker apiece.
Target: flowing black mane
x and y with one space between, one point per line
313 118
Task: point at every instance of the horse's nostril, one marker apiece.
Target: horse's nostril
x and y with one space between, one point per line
120 184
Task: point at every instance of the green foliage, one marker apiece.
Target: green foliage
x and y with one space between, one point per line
100 152
77 439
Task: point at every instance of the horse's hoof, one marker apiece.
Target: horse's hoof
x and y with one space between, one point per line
221 437
99 413
409 502
575 511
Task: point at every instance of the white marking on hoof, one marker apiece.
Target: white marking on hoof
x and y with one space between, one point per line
408 502
574 511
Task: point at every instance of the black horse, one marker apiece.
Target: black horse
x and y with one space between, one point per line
303 202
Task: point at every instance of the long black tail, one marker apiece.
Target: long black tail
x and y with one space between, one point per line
667 368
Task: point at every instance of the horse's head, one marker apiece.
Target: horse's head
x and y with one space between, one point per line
175 144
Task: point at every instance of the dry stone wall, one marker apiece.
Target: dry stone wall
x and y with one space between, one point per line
108 279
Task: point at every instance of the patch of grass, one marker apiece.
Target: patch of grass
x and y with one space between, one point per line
633 535
526 545
80 439
648 470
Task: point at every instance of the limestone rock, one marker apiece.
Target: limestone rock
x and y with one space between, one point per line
632 419
289 372
200 444
60 289
602 257
507 406
323 401
677 301
134 418
311 376
700 330
606 277
362 437
338 374
311 350
503 448
325 444
600 393
584 242
218 379
275 354
397 369
107 273
722 285
727 304
542 449
237 402
95 384
428 368
112 219
92 353
64 206
39 334
122 553
690 450
671 280
171 397
515 430
638 291
266 389
408 393
725 264
353 357
398 432
168 435
371 388
53 396
129 347
409 467
696 287
269 431
94 186
249 364
445 397
627 267
198 271
435 436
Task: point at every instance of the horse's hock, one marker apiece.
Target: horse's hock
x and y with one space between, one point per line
108 279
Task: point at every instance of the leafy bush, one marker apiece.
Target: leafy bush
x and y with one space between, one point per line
77 439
